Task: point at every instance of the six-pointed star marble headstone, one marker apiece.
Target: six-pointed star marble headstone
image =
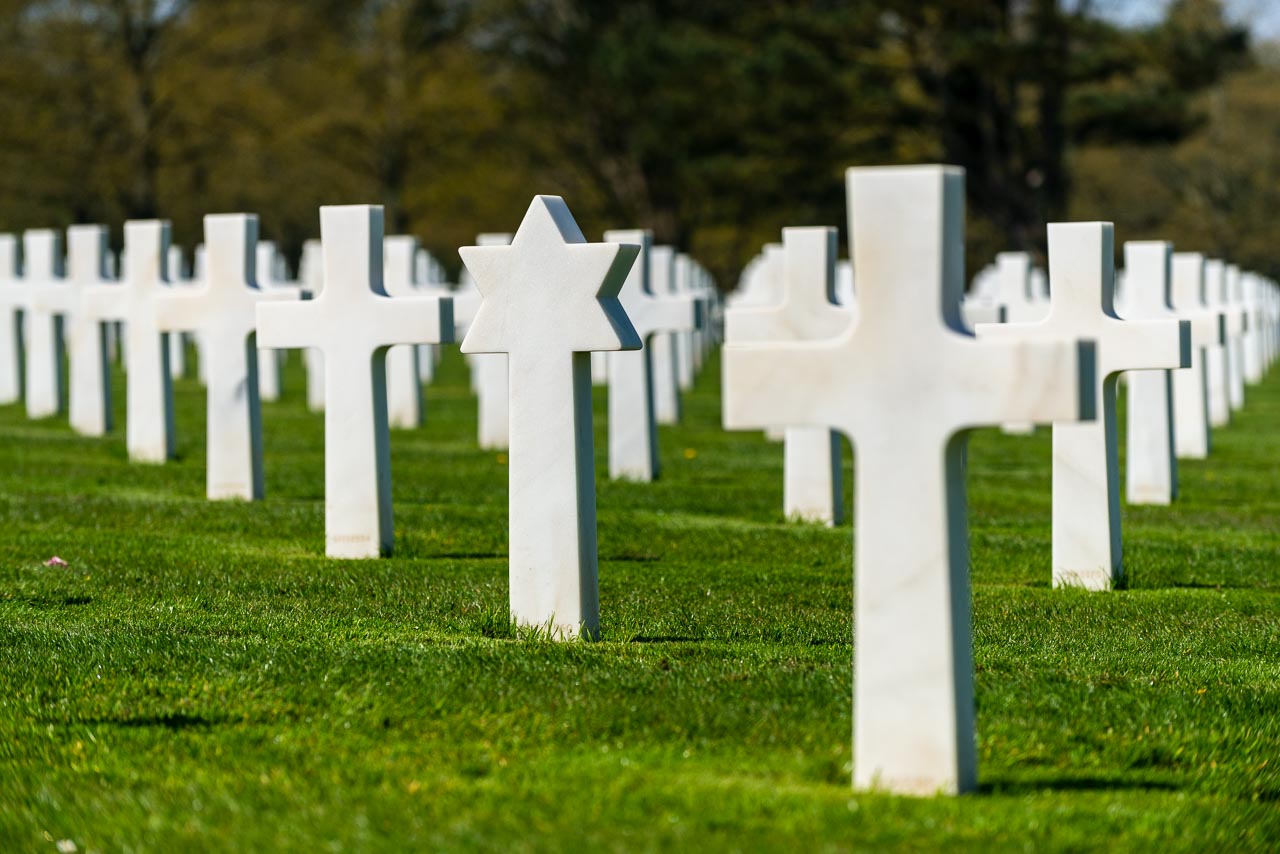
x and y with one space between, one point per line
354 321
50 303
90 369
806 312
149 390
1151 466
1191 429
222 310
13 299
404 374
548 301
1086 481
633 432
906 384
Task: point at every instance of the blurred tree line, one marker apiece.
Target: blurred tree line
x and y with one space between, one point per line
715 123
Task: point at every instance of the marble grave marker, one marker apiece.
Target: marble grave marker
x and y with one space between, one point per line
354 321
906 384
562 294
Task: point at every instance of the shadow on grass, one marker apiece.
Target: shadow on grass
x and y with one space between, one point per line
171 721
56 601
1074 784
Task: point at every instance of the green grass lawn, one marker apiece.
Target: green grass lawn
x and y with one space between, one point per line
201 677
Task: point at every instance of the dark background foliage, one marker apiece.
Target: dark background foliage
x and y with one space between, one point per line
715 123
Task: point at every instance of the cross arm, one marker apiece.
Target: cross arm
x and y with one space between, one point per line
767 385
53 297
291 325
177 309
1208 328
105 302
1019 380
675 313
1141 345
415 320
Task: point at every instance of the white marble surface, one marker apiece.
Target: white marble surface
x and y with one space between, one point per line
632 429
1015 295
1192 433
489 374
1216 365
1254 334
906 383
149 390
13 298
51 303
548 300
178 279
667 405
311 277
1086 480
223 310
684 341
1236 330
804 310
270 276
354 321
89 373
405 402
599 368
1151 466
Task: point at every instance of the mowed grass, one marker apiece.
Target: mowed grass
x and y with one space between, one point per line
201 677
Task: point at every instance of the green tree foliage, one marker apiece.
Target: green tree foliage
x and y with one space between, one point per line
714 123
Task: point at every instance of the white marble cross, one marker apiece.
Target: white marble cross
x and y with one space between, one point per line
13 298
354 321
1191 429
1151 466
685 344
404 376
1237 329
50 304
1014 290
1254 328
667 406
270 277
489 374
812 474
633 433
178 278
90 369
1086 481
906 384
982 304
222 310
1215 289
311 277
548 300
149 390
432 281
